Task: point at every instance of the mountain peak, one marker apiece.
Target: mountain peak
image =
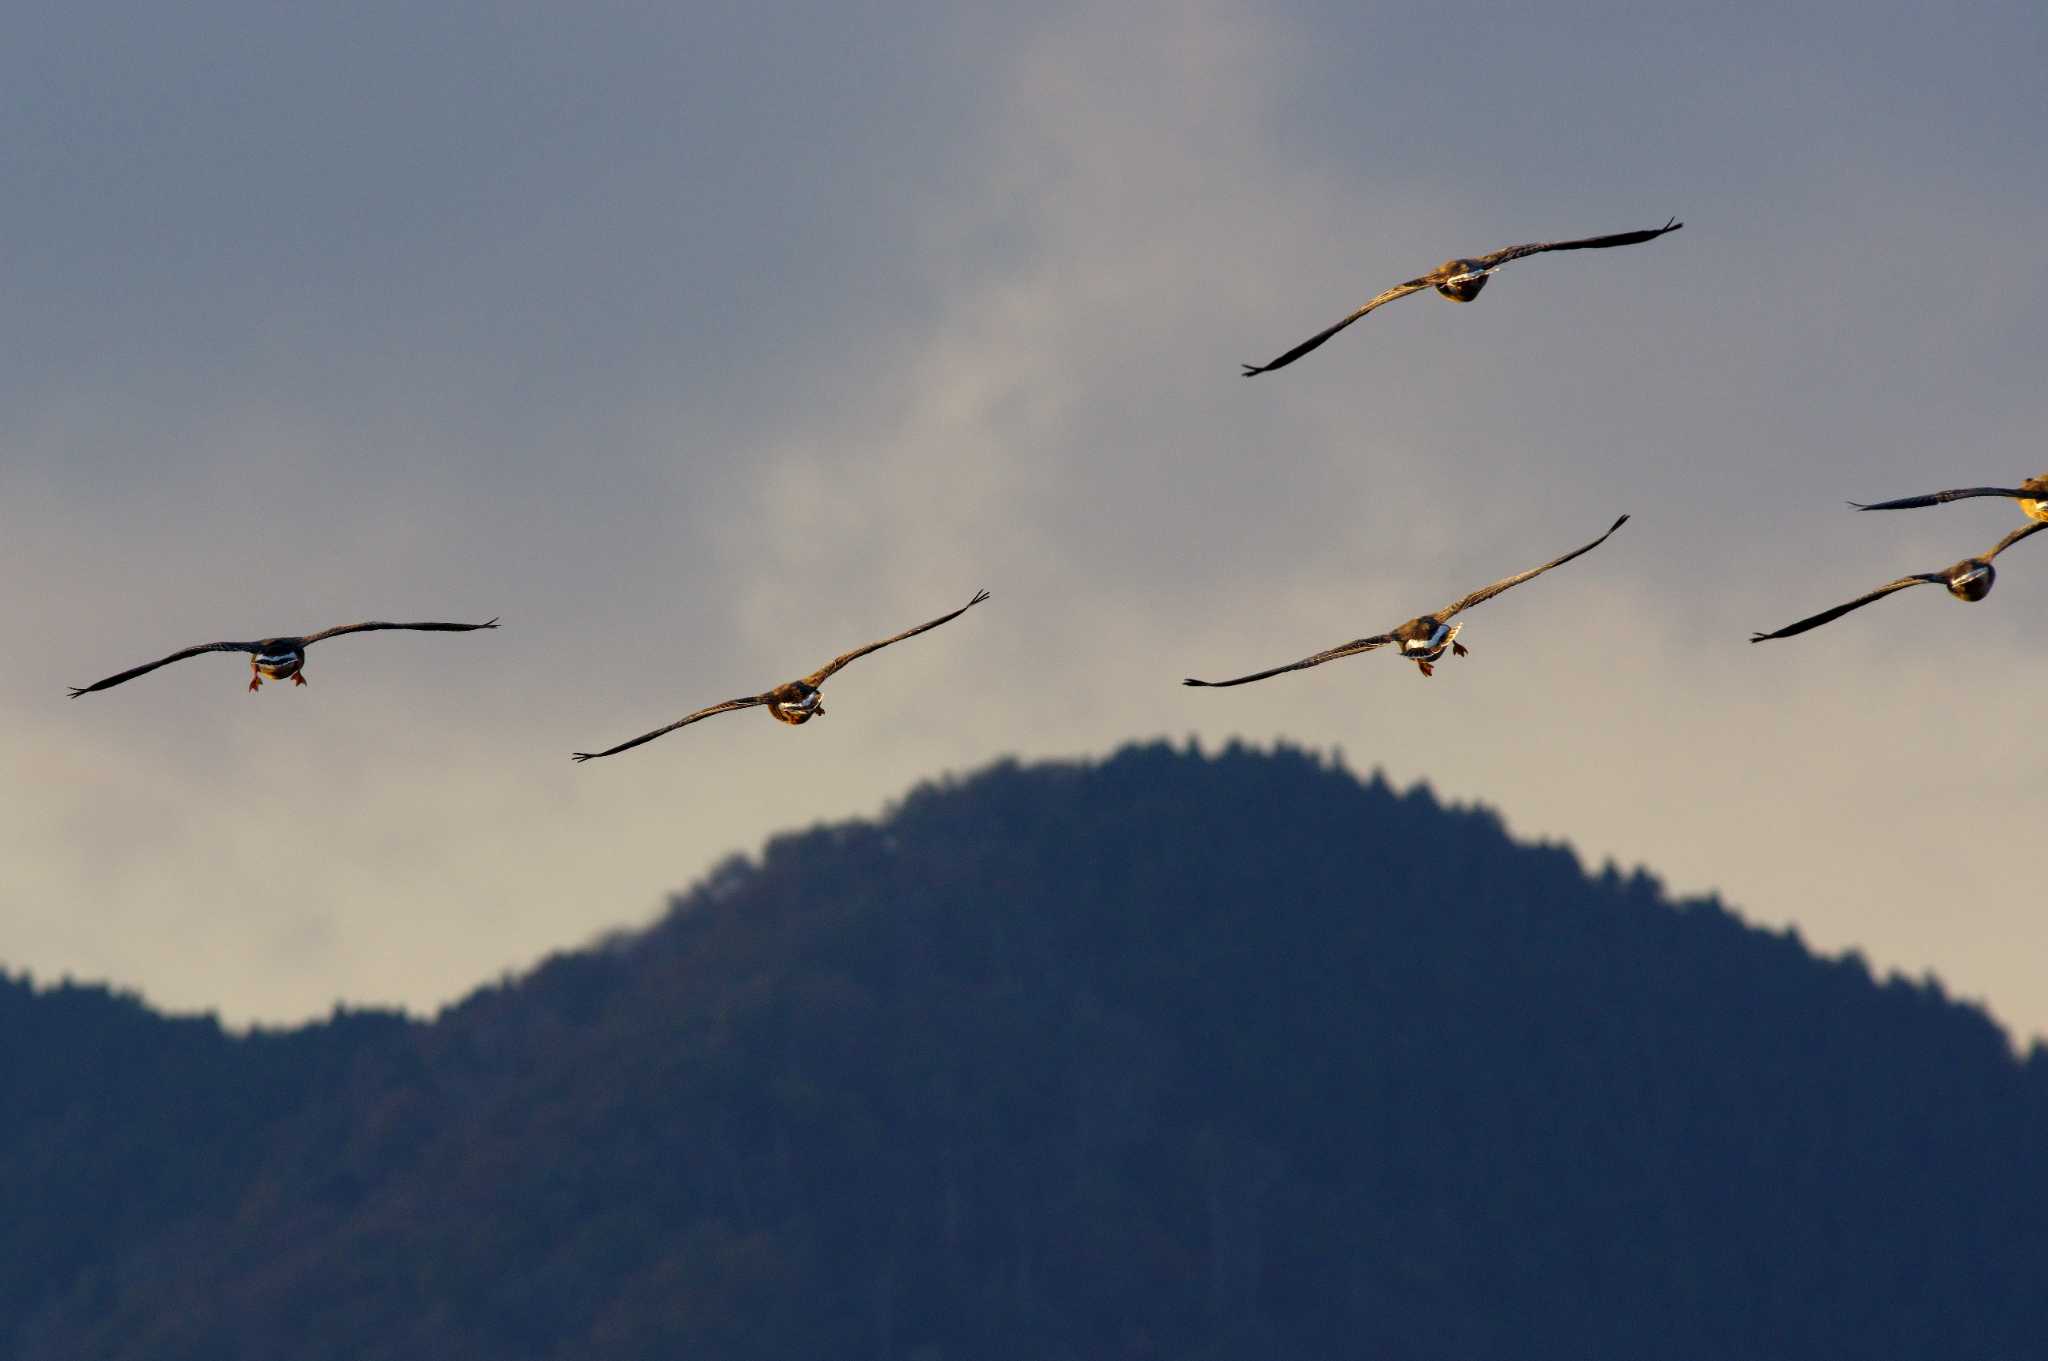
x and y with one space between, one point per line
1161 1055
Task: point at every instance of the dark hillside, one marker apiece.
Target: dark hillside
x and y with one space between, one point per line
1166 1056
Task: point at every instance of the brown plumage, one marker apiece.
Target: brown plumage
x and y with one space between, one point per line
795 702
1426 638
1969 580
2032 495
275 658
1460 280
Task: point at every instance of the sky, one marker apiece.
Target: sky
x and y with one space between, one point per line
701 343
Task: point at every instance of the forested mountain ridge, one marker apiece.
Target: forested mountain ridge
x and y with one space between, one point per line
1162 1056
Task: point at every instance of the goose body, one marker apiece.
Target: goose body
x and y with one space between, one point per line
795 703
1426 639
277 661
1462 279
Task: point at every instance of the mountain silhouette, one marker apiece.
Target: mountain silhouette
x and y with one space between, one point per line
1163 1056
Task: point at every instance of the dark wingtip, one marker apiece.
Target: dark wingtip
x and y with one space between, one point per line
78 690
979 596
1192 681
1761 637
1673 225
490 623
581 756
1857 504
1252 370
1619 523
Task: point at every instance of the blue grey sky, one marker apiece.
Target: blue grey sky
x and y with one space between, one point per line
702 343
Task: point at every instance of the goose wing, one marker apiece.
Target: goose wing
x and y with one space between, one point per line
1486 593
1397 291
684 722
818 677
1352 648
1829 616
2025 531
148 667
1501 257
375 625
1959 494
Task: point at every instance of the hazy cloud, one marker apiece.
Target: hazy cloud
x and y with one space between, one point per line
702 346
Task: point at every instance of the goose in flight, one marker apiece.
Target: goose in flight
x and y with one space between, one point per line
1969 579
1422 640
795 702
1460 281
275 658
2032 495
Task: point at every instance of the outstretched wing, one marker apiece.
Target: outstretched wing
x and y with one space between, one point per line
1486 593
1397 291
2014 537
1501 257
1350 649
132 673
817 678
724 708
1828 616
1961 493
375 625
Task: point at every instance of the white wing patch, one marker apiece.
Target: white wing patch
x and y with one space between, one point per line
1469 275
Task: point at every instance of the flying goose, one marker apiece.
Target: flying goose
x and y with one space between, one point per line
1460 281
1422 640
2032 495
275 658
1969 579
796 702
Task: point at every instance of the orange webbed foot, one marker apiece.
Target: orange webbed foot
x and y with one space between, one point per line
255 683
1459 649
298 678
1428 670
